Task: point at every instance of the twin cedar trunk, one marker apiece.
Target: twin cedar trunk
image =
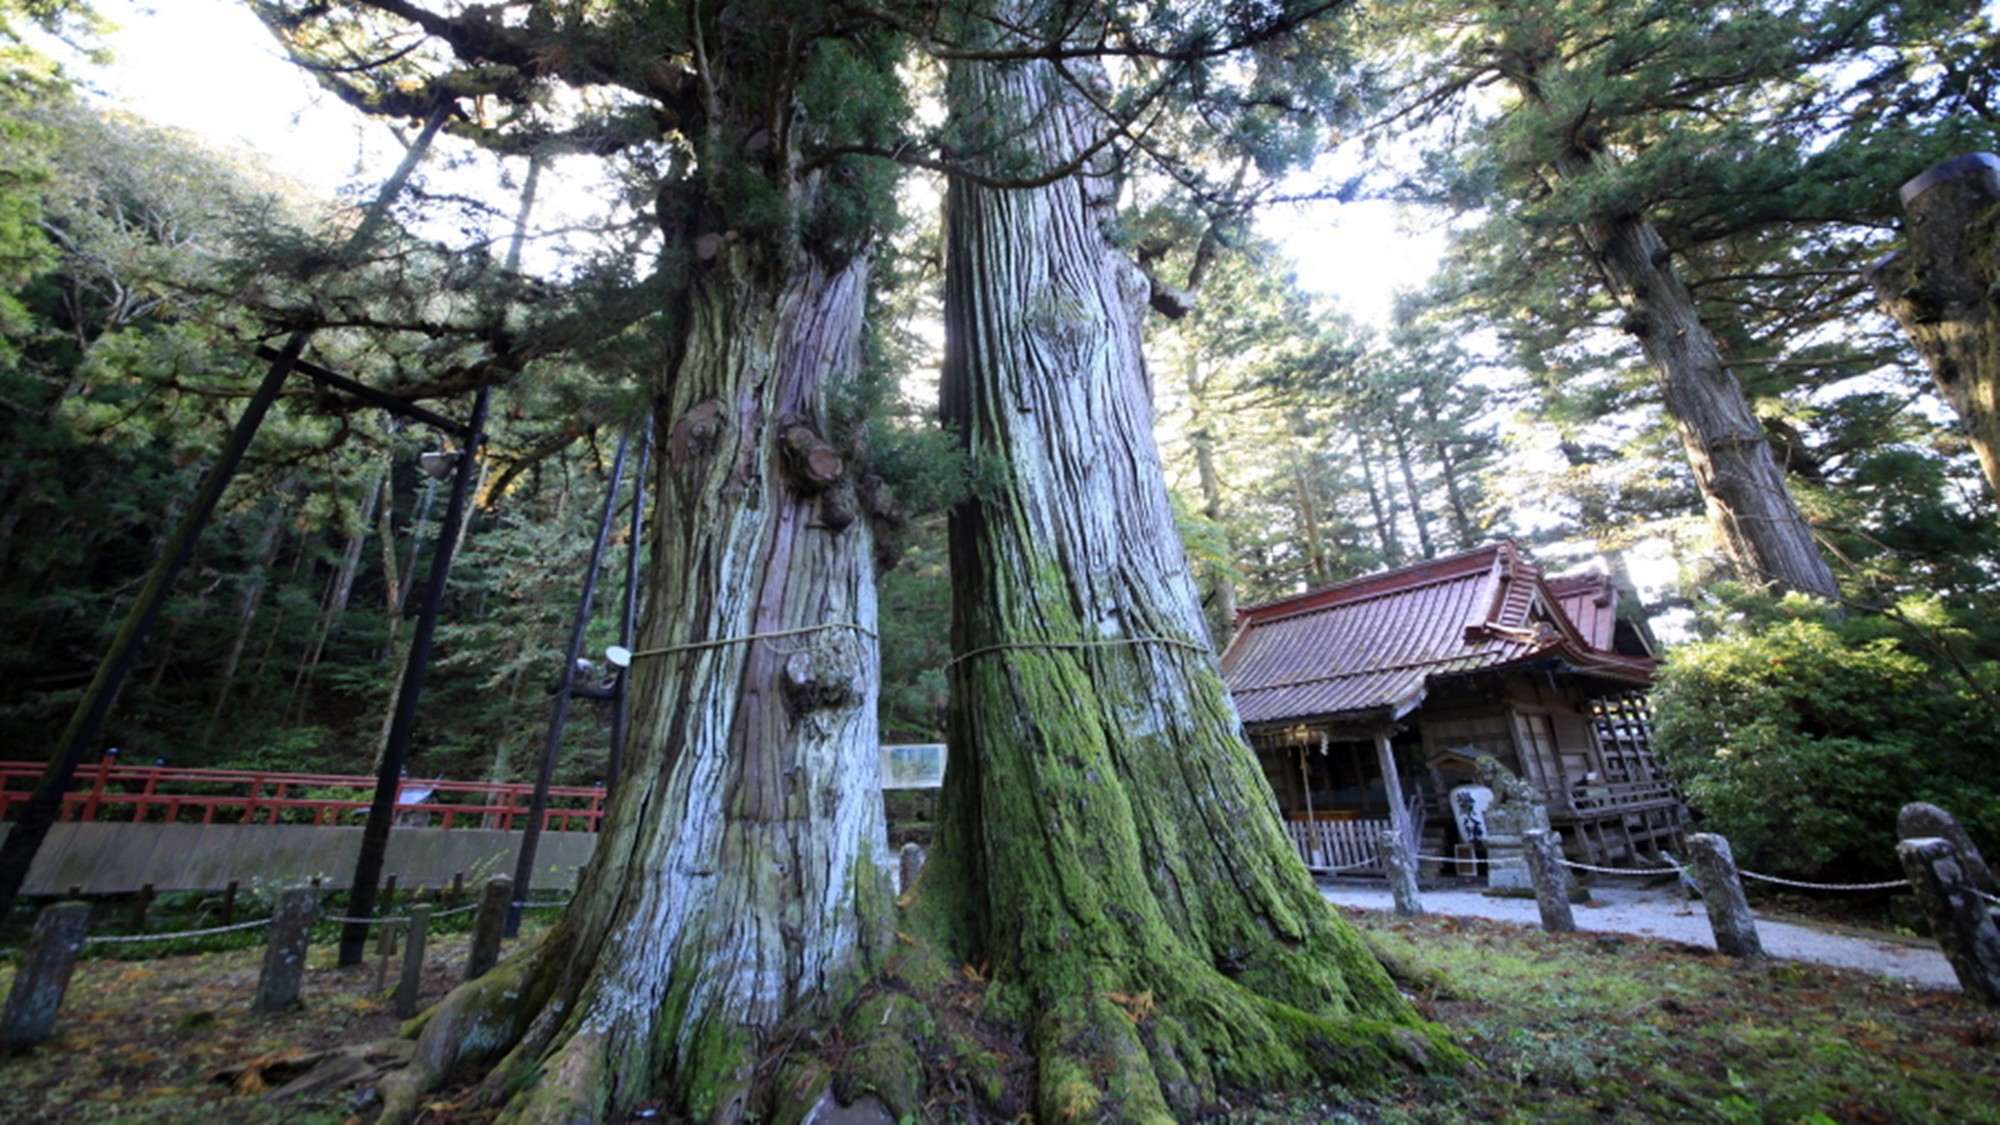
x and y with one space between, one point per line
1105 838
736 884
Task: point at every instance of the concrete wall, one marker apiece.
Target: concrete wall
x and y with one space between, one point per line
115 858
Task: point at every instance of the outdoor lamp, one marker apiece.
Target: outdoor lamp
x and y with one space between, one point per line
438 463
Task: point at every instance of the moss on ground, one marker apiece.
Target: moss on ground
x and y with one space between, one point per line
1588 1027
1565 1027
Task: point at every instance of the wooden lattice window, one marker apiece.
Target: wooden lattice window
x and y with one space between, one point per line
1625 732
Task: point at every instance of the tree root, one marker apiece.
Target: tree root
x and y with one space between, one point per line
478 1021
1140 1058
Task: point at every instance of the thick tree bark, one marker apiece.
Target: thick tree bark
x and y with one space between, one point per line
739 880
1106 840
1942 290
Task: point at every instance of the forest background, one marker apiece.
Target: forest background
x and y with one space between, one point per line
1305 444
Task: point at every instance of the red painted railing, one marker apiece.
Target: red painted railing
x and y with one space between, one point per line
157 794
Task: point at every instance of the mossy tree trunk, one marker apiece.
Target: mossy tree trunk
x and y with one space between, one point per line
736 885
1106 840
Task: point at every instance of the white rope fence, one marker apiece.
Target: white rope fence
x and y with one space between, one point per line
399 919
1886 885
128 939
178 935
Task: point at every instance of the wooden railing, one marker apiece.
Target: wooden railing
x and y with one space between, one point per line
1607 799
1328 844
158 794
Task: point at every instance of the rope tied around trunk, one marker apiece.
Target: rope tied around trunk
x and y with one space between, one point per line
1004 646
747 638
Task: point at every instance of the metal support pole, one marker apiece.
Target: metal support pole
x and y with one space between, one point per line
38 813
628 630
388 778
531 838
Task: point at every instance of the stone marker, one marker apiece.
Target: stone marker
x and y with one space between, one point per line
1402 874
1722 892
285 958
1959 918
410 988
488 926
1543 852
43 975
913 865
1515 811
1918 821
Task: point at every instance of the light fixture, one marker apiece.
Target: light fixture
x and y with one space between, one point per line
438 463
619 656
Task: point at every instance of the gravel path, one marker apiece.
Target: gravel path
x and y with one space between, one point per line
1660 913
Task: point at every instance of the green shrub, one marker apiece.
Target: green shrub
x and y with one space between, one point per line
1800 737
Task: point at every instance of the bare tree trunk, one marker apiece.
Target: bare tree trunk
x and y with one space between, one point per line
1416 496
1759 528
246 614
1461 520
1385 514
1317 570
1942 290
340 588
1104 830
1219 585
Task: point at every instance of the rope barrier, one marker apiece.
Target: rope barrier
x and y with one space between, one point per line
398 919
1004 646
1669 869
1890 885
128 939
1348 867
693 645
1449 859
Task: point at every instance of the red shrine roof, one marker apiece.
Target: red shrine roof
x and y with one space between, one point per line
1368 648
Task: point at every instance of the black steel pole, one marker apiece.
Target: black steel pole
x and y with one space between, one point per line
39 812
388 778
531 838
628 630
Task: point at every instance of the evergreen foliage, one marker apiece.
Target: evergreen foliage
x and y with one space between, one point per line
1799 735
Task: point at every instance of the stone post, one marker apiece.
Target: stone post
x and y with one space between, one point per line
1722 893
1959 918
1543 851
489 925
285 957
1402 874
43 975
410 988
913 866
1919 820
